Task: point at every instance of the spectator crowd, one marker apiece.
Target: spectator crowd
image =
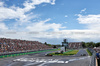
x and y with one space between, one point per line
13 45
97 49
75 45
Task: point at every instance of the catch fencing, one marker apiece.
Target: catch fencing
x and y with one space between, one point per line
93 57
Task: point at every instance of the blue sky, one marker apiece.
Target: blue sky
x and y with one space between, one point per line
76 20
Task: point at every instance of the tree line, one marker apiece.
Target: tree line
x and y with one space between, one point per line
54 46
84 45
90 44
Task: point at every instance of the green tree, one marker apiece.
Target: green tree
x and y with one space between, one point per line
83 45
90 44
45 43
97 44
54 46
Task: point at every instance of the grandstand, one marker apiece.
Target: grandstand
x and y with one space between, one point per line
17 45
97 49
75 45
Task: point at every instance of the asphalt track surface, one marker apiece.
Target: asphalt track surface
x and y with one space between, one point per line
39 59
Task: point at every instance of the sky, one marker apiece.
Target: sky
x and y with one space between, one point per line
50 21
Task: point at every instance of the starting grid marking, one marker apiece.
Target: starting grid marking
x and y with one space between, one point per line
36 60
78 58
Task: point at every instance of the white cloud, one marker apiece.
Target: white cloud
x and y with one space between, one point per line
13 12
19 14
66 16
3 26
83 10
76 35
92 21
81 35
43 26
31 5
91 31
1 4
89 19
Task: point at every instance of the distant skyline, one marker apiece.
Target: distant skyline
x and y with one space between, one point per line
50 20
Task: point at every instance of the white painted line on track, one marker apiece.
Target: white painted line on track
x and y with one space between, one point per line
78 59
31 64
43 64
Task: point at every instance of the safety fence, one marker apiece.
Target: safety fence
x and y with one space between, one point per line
23 53
93 57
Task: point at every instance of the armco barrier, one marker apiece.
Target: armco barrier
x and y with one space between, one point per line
93 57
23 53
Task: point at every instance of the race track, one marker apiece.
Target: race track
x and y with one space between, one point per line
39 59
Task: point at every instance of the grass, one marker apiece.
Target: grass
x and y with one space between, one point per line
69 52
73 52
89 52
